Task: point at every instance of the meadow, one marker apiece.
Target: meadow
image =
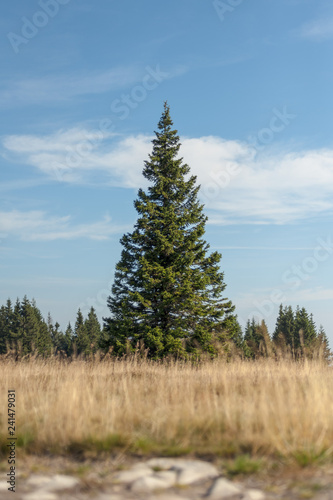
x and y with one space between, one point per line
264 408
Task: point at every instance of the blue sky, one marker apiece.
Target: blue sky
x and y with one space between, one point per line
250 90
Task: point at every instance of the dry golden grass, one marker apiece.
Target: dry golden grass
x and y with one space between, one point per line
264 407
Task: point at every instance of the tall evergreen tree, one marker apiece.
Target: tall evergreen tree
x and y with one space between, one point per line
167 290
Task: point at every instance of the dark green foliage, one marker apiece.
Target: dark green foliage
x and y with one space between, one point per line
81 338
61 342
285 324
67 341
93 330
297 332
54 332
6 320
168 290
87 333
234 331
24 329
305 329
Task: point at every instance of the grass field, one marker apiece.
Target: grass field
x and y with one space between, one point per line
262 408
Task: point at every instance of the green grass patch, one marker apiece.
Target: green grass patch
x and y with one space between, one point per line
244 464
306 458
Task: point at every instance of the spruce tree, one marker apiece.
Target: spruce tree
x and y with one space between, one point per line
67 341
257 340
3 330
285 327
305 329
324 344
93 330
167 291
80 334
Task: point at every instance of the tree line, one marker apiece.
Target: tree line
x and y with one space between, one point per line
24 331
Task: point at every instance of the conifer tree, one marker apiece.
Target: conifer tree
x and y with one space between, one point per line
80 334
305 329
257 339
28 330
324 344
3 330
265 342
93 331
66 342
168 290
285 326
54 332
15 327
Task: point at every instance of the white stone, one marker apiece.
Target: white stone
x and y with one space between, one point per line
4 485
38 480
168 476
254 495
189 471
131 475
40 495
195 470
53 483
150 483
223 489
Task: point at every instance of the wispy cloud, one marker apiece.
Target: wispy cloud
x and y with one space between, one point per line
75 155
38 226
62 88
318 30
238 185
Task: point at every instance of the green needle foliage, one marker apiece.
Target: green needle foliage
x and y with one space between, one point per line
167 292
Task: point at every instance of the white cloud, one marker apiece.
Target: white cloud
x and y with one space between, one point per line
74 155
238 185
36 225
321 29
